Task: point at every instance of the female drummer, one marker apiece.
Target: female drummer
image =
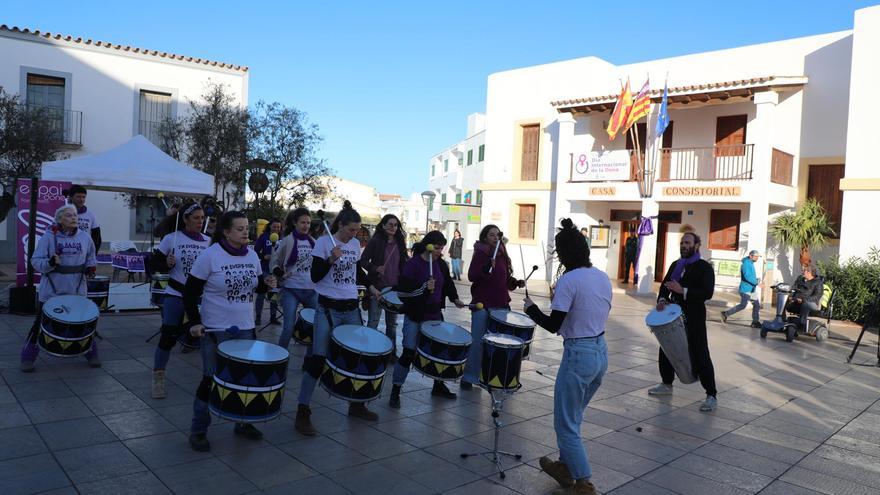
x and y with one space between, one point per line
225 277
176 254
426 278
292 263
65 256
384 259
580 307
491 274
336 275
265 248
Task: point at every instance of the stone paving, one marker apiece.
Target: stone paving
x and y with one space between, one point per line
793 419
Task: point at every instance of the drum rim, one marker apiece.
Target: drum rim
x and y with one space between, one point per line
66 296
349 398
245 388
240 360
444 341
390 290
44 331
441 361
674 307
356 376
510 311
358 351
506 346
242 418
300 317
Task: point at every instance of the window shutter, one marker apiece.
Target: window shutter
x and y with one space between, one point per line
529 163
526 221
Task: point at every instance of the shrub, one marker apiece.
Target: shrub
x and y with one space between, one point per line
858 285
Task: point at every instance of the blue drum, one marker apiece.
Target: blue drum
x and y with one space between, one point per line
502 360
249 381
357 358
442 350
67 325
512 323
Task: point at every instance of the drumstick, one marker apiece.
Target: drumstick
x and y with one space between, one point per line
233 329
327 228
475 307
534 269
176 221
161 197
522 261
430 249
497 245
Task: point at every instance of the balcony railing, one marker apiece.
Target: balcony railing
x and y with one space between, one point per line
733 162
65 125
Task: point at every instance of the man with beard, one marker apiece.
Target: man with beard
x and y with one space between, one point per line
690 282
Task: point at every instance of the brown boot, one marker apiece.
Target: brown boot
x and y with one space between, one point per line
359 410
303 423
580 487
557 470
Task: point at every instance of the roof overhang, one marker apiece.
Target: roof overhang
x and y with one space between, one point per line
679 96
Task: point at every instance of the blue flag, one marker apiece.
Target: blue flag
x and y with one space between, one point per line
663 116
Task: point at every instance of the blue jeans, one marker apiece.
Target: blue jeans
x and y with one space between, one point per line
201 416
479 320
744 301
584 362
172 316
373 316
321 340
290 300
456 267
258 305
410 335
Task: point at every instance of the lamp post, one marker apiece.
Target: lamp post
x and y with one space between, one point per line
428 199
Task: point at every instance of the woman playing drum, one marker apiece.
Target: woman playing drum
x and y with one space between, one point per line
65 256
225 277
491 274
176 254
429 288
580 307
336 275
292 263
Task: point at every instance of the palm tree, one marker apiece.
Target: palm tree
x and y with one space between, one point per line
808 227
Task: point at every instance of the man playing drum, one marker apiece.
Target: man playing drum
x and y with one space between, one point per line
690 282
65 256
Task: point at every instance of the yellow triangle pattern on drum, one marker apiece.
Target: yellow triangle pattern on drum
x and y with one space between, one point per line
270 396
224 392
441 367
358 384
423 361
246 398
48 339
495 382
64 343
377 383
338 378
513 383
459 369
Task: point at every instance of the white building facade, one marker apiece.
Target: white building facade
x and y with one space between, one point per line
755 131
104 94
364 199
454 176
411 211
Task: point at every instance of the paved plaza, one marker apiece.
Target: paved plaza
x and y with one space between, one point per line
792 419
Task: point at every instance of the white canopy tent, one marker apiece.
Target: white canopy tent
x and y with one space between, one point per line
136 165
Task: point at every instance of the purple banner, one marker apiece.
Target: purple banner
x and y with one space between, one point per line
49 198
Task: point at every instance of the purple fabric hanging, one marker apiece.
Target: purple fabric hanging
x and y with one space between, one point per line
646 228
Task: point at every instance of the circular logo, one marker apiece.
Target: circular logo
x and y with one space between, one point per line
58 310
582 164
258 182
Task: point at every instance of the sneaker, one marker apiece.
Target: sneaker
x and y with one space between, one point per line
440 390
27 366
661 389
359 410
709 404
557 470
248 430
465 385
723 317
199 442
580 487
303 423
158 391
394 401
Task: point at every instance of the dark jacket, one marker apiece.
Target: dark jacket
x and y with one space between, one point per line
699 280
809 290
631 248
374 256
455 248
491 289
414 307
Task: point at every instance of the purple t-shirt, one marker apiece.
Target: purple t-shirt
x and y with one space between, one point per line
416 269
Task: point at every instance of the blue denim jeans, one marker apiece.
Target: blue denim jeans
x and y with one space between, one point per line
410 336
456 267
172 315
373 316
744 301
290 300
321 340
201 416
584 362
479 321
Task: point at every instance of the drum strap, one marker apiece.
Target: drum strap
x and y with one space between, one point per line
67 269
338 304
174 284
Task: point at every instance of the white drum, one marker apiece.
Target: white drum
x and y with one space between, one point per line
668 328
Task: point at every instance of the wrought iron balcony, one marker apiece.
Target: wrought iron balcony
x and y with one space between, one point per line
65 125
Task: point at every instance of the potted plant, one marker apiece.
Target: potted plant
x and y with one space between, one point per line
807 227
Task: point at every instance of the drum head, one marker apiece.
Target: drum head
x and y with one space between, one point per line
391 296
656 318
363 340
160 276
253 351
70 309
100 278
447 333
503 340
307 314
511 318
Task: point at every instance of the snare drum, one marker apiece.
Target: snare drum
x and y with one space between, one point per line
99 291
157 291
67 325
249 381
357 358
390 301
442 350
668 328
502 359
512 323
304 328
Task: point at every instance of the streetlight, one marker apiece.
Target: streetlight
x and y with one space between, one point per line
428 199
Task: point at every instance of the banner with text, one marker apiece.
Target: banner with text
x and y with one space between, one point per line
601 166
49 198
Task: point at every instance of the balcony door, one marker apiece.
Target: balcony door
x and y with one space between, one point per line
730 149
47 94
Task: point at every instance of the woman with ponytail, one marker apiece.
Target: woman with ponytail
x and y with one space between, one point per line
291 263
580 308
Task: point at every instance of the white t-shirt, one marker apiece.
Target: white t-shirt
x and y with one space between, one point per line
229 289
301 277
341 281
187 252
87 221
585 294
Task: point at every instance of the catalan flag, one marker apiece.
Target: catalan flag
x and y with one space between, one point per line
621 112
640 107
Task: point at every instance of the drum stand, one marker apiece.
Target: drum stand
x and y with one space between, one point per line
497 405
872 320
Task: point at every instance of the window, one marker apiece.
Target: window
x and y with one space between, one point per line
479 197
443 198
724 230
529 162
48 93
481 153
154 109
824 186
460 162
144 224
458 198
470 157
446 165
432 170
526 221
730 135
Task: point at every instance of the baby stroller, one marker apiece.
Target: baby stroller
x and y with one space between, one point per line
817 322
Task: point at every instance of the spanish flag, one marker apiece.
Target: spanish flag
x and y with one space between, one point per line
640 107
621 112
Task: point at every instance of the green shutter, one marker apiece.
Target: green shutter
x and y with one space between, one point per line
446 165
432 170
443 198
470 157
479 197
457 198
481 154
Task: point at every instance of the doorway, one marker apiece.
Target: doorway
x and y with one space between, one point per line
628 228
